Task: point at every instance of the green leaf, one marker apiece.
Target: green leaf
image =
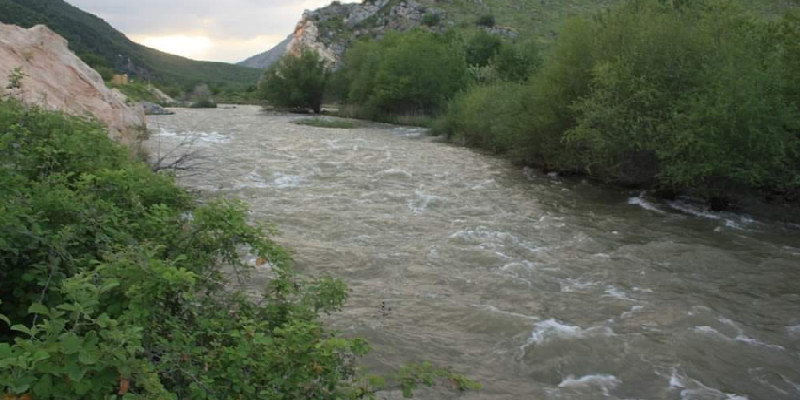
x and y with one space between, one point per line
71 343
38 308
5 319
21 328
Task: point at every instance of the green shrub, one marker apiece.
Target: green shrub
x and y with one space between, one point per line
296 82
112 286
486 20
488 117
481 48
694 97
431 20
409 73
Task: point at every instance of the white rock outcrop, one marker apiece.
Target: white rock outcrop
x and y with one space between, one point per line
55 78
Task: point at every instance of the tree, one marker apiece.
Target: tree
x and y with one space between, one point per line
296 81
414 72
481 48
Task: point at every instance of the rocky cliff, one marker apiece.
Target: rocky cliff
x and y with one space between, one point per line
37 67
330 30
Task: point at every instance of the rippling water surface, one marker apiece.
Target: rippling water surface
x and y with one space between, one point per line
538 287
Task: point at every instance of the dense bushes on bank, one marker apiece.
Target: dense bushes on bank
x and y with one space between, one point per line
687 97
112 286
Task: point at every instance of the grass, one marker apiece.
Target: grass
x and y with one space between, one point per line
327 123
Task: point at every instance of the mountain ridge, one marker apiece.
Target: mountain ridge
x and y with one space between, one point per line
332 29
91 36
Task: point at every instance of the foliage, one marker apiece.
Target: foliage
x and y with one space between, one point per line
15 79
112 285
486 20
410 73
326 123
296 82
481 48
695 97
487 117
516 62
138 92
431 20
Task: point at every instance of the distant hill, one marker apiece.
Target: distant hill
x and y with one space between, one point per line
332 29
90 36
269 57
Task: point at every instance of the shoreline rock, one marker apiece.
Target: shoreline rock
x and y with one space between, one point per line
49 75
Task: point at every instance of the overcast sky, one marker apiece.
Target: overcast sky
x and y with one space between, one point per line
213 30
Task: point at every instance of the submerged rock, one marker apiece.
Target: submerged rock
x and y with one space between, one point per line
37 68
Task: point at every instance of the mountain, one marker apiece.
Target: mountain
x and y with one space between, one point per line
331 30
269 57
91 38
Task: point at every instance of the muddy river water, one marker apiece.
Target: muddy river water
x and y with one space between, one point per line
538 287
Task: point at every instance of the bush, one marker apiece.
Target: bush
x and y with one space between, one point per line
694 97
296 82
431 20
488 117
486 20
409 73
112 285
481 48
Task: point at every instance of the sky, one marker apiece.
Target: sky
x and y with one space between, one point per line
208 30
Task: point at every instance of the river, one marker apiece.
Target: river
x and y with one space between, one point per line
536 286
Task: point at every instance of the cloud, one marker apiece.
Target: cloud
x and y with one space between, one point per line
213 30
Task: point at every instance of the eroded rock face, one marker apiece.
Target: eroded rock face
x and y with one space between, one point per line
330 30
54 78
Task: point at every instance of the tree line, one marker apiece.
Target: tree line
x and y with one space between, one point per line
696 98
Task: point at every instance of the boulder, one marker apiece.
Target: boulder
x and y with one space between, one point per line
154 109
47 74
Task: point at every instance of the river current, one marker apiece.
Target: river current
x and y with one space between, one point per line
536 286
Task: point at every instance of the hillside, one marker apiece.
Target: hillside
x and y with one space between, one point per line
332 29
268 57
89 35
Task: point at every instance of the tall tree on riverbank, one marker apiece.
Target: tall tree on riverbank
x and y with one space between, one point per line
296 82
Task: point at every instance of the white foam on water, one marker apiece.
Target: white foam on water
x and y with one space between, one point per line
731 220
576 285
515 266
632 311
484 185
552 329
604 382
486 238
692 389
421 201
552 174
794 330
196 136
280 181
642 202
614 292
409 132
740 335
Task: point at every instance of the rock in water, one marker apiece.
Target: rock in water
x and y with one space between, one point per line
54 78
154 109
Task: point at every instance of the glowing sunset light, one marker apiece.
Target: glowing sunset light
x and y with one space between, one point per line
188 46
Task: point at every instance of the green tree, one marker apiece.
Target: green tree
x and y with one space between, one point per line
409 73
481 47
296 82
